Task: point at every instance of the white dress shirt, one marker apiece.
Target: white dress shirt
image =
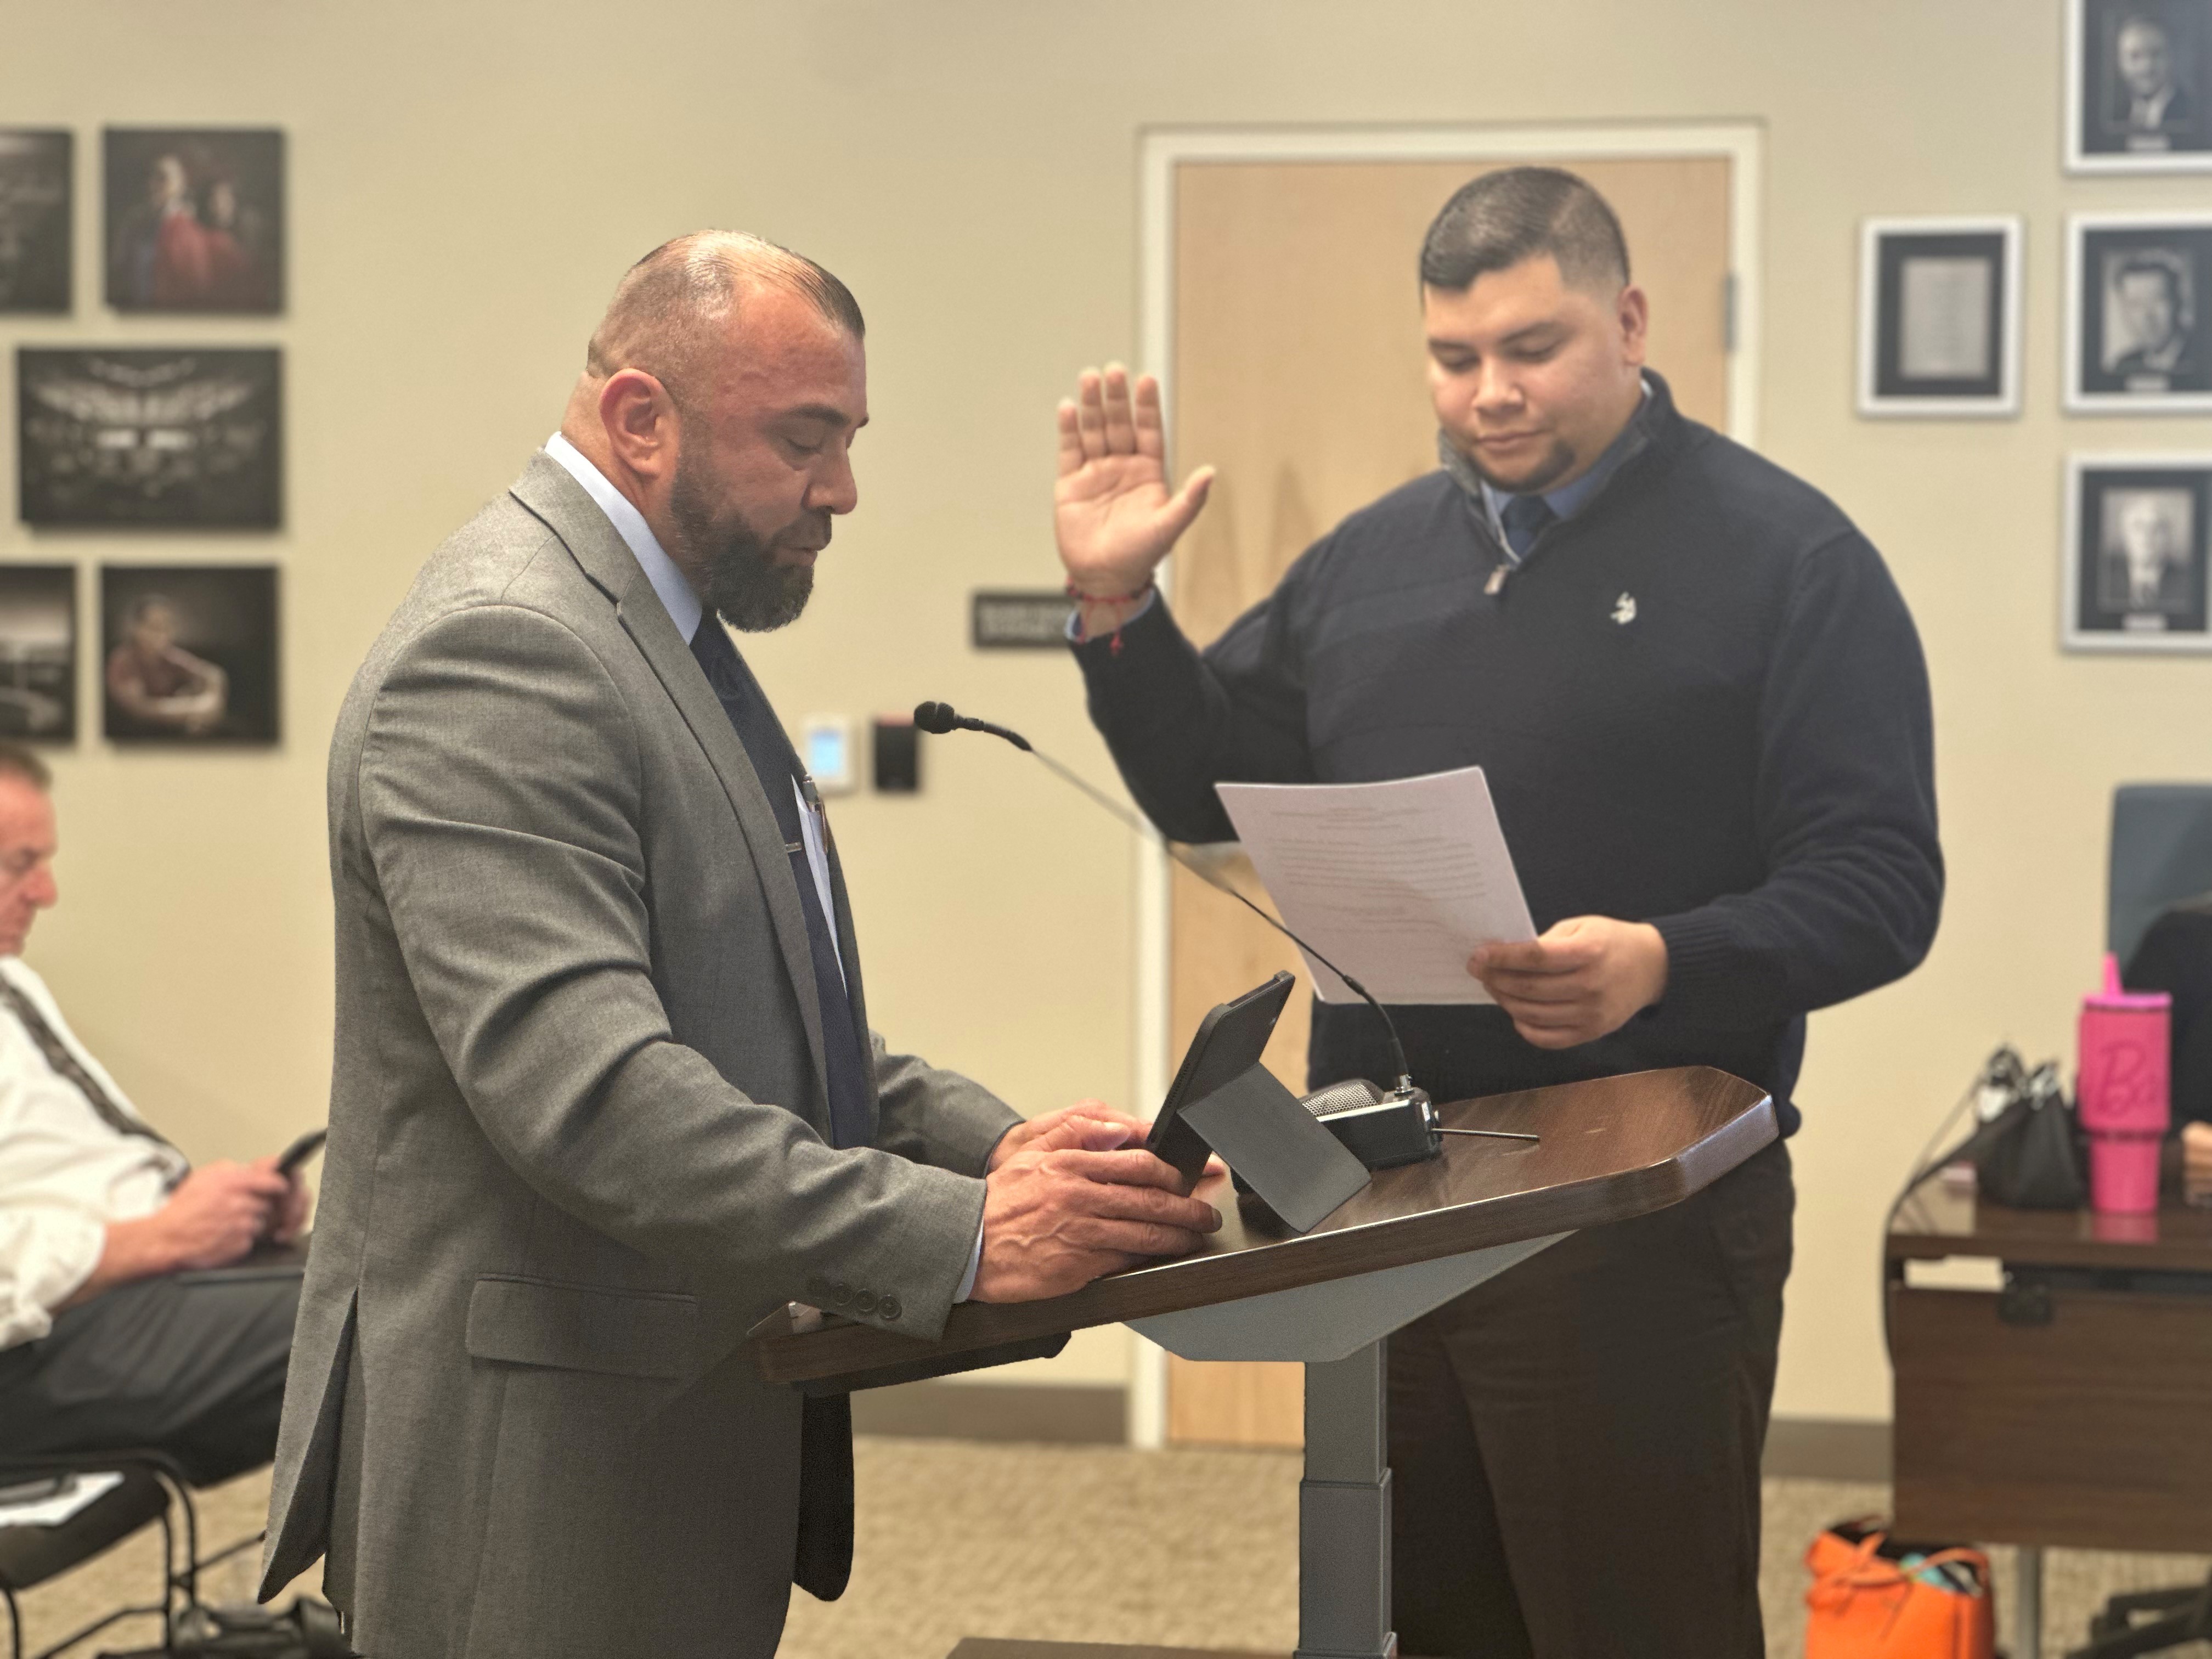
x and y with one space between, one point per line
681 603
64 1172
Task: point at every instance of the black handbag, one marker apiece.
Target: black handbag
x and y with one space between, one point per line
2027 1151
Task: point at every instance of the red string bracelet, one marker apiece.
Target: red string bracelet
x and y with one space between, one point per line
1113 646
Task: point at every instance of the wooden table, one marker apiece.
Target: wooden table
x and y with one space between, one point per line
1412 1240
2073 1405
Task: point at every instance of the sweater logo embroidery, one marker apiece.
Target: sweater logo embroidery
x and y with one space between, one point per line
1624 609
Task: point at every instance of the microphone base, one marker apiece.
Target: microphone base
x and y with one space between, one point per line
1382 1130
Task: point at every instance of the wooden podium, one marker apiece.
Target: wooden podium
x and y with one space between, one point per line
1414 1238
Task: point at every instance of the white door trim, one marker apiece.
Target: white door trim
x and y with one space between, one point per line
1161 150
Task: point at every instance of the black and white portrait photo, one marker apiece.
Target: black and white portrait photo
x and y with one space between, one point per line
194 219
188 653
38 652
2136 322
34 219
2136 565
158 439
1939 317
2136 85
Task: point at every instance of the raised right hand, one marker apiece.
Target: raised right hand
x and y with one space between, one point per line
218 1213
1076 1203
1112 513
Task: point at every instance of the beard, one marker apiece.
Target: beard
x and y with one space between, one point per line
742 583
1557 463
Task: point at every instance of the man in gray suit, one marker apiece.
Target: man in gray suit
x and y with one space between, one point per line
605 1089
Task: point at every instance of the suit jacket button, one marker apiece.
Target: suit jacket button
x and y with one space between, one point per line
865 1303
889 1308
841 1293
818 1285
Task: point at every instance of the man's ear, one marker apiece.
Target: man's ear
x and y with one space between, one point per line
1634 312
638 417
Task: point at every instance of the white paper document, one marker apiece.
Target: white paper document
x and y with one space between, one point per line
1397 882
50 1508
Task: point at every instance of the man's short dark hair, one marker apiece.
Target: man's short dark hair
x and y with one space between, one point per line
2151 265
1498 221
17 762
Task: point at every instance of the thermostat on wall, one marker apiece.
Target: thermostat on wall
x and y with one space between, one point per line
828 748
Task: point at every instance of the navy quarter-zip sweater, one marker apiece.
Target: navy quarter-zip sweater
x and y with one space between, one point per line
1699 702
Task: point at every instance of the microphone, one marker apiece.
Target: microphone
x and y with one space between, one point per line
1369 1125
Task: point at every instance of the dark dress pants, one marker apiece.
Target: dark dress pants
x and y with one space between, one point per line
192 1364
1575 1446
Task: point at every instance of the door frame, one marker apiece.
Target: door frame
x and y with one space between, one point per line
1161 150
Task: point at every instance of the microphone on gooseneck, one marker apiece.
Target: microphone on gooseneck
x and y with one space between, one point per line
942 717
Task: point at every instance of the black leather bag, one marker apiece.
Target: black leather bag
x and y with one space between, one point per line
2028 1153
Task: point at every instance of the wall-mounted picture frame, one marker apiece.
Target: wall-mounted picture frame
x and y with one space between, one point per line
2138 85
2136 288
177 438
194 219
188 653
1940 317
37 171
2138 561
38 652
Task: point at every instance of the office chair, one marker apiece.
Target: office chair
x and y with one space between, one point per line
152 1489
2161 852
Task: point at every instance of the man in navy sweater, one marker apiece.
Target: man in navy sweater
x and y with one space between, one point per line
1704 714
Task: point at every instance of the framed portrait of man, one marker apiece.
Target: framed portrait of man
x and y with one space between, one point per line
2136 287
176 438
2138 74
1939 317
35 218
188 653
194 219
2136 543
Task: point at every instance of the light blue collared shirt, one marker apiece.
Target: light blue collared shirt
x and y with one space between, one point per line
681 603
1570 499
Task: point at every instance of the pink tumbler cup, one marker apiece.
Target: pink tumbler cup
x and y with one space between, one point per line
2123 1051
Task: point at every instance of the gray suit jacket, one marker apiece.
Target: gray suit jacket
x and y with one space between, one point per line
578 1134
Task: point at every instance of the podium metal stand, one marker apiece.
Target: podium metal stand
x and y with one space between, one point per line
1416 1237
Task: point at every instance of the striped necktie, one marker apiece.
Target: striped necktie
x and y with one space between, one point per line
69 1067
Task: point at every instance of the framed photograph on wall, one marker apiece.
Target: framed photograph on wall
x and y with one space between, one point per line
1939 317
2138 531
2138 76
194 218
2137 284
38 652
35 219
188 653
167 439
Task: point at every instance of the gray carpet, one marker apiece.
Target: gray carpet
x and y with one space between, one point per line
1184 1549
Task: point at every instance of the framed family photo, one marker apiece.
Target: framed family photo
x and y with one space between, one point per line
1939 317
2138 75
162 439
194 218
2136 285
2138 529
188 653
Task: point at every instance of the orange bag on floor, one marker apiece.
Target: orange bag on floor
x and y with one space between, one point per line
1871 1598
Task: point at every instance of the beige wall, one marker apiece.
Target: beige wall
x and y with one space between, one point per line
468 179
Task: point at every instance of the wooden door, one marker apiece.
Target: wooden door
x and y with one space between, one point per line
1298 371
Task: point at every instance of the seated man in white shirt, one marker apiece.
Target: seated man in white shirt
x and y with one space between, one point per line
111 1335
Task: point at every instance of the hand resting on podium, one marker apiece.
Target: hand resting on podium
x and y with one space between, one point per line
1073 1195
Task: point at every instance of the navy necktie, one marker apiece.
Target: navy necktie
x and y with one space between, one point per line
1524 518
777 764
